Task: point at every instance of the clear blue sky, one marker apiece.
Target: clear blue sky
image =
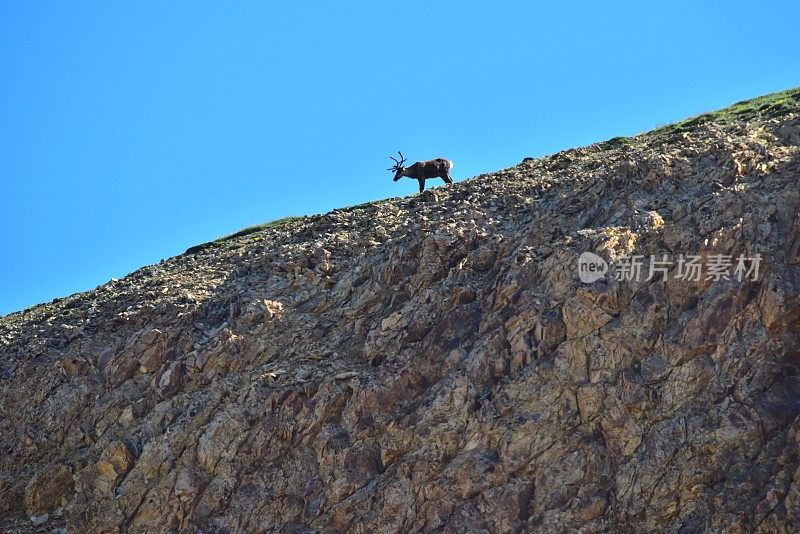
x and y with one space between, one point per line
130 131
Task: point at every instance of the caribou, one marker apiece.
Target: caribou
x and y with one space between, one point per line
422 170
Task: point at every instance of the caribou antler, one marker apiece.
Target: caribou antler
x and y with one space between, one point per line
397 164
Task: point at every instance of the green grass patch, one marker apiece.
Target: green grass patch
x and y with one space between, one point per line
225 241
241 233
765 107
615 142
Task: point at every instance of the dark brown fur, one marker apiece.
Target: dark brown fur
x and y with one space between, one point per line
425 170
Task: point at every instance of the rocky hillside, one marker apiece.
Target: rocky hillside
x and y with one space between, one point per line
436 362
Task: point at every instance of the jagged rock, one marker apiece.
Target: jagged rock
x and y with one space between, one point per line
437 363
48 490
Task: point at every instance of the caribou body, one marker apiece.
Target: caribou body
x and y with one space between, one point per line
423 170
